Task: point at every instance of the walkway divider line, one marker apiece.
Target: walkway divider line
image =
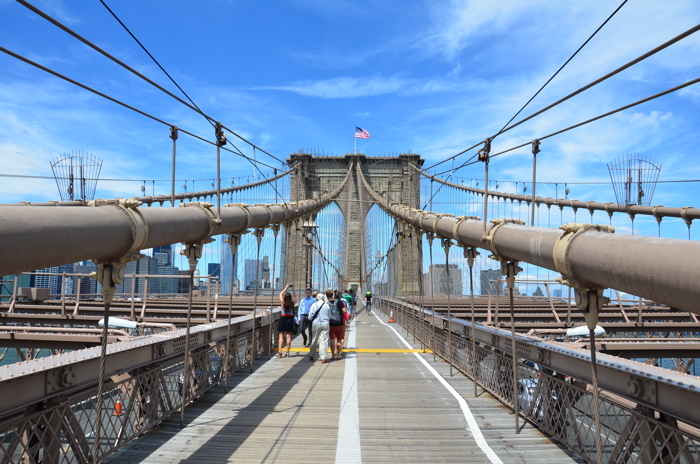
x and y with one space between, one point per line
363 350
473 427
348 449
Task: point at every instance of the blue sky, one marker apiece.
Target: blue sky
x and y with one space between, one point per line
432 77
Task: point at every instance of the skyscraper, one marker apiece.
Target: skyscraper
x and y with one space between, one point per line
435 280
214 269
495 288
164 255
229 270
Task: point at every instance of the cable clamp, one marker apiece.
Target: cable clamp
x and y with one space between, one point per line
607 208
461 219
560 254
214 222
470 255
653 211
588 207
498 223
510 269
244 207
124 202
684 211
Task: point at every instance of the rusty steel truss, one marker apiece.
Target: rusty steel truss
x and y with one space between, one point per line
50 417
648 414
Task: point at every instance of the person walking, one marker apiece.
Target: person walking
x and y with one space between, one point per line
337 325
320 314
285 326
304 322
353 304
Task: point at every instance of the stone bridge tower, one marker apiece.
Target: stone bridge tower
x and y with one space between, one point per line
390 176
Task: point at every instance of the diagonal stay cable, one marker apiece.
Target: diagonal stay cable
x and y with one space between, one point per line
639 59
605 115
211 121
559 70
588 121
132 70
119 102
610 113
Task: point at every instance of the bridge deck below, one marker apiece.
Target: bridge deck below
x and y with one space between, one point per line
295 410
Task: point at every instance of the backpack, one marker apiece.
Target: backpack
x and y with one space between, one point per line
337 313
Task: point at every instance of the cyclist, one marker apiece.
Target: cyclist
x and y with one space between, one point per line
368 302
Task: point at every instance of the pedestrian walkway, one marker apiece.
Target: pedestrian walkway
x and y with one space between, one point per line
385 405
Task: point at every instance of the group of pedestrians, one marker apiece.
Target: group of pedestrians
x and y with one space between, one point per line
323 316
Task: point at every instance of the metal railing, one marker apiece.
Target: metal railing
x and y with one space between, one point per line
62 428
557 404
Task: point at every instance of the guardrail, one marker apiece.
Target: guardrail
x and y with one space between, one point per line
555 395
55 420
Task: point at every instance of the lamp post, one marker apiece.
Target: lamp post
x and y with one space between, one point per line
309 228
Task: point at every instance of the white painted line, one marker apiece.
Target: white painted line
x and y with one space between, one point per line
473 427
348 448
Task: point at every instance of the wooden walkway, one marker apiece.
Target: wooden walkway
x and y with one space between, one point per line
377 406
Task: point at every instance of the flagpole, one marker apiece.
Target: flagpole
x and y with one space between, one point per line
355 149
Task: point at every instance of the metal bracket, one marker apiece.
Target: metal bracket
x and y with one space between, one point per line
510 269
562 246
590 302
497 224
158 350
644 389
193 252
461 219
206 206
470 255
60 379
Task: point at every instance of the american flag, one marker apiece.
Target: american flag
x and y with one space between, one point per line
360 133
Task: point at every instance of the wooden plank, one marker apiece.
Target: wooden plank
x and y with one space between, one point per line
288 411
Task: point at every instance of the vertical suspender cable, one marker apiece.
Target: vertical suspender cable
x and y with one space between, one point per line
275 230
447 244
596 405
227 372
100 384
432 293
253 350
471 255
173 135
186 381
515 363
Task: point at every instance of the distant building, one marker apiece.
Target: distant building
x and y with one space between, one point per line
143 266
183 285
493 288
39 280
254 270
556 293
164 285
435 280
164 255
538 292
229 270
214 269
87 285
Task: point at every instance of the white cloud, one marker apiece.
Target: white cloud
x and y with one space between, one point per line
653 119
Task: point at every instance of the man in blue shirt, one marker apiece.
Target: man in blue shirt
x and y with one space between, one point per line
304 323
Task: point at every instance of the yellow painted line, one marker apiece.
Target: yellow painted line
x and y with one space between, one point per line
362 350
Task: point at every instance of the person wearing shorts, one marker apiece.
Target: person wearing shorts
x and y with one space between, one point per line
337 332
